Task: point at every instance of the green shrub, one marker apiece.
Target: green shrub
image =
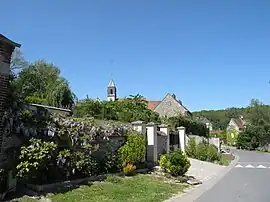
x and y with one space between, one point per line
112 163
36 159
213 154
35 100
191 148
85 163
133 151
176 163
202 151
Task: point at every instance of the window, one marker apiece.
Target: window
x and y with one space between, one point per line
111 91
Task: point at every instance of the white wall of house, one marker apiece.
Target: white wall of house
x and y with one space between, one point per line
232 126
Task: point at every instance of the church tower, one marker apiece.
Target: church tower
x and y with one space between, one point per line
111 91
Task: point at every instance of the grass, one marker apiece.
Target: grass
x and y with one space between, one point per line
225 159
116 189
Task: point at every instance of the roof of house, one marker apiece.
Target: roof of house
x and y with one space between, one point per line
5 39
239 122
203 120
152 104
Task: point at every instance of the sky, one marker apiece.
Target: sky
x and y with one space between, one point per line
211 54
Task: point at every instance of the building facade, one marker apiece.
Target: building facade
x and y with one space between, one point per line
6 49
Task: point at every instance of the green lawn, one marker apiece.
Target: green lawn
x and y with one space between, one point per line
139 188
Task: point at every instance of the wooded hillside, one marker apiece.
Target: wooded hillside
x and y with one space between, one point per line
221 118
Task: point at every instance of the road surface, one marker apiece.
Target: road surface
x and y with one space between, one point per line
248 181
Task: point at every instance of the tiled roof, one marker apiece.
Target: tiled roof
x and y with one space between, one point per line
239 122
152 104
203 120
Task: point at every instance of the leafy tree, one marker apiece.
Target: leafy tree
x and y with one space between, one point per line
257 132
192 127
18 61
130 109
221 118
42 82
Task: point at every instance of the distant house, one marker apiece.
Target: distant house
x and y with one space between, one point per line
236 124
168 107
205 121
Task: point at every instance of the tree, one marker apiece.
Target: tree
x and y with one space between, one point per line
221 118
18 61
59 94
41 82
257 132
133 108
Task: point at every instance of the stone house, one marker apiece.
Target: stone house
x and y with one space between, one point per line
236 124
168 107
205 121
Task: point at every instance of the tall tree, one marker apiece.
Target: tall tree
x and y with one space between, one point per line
18 62
42 81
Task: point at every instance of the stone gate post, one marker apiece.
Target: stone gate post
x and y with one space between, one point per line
151 131
139 126
182 138
164 128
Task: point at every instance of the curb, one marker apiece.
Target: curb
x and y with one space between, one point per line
193 193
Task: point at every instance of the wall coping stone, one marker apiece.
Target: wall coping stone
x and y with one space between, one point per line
137 122
151 124
163 126
180 128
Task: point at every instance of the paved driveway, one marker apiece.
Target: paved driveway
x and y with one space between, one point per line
248 181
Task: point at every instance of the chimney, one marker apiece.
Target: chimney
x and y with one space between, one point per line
174 96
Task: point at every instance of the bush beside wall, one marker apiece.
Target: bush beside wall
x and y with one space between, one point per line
202 151
175 163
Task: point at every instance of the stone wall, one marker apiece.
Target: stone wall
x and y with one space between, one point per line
110 145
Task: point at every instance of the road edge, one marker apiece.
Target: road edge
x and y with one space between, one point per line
191 194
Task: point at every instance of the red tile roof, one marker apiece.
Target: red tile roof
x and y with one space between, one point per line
152 104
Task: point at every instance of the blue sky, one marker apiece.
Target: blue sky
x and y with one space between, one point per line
211 54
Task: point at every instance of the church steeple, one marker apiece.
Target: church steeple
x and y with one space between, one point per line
111 91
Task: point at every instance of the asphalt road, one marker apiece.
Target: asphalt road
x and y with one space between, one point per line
248 181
